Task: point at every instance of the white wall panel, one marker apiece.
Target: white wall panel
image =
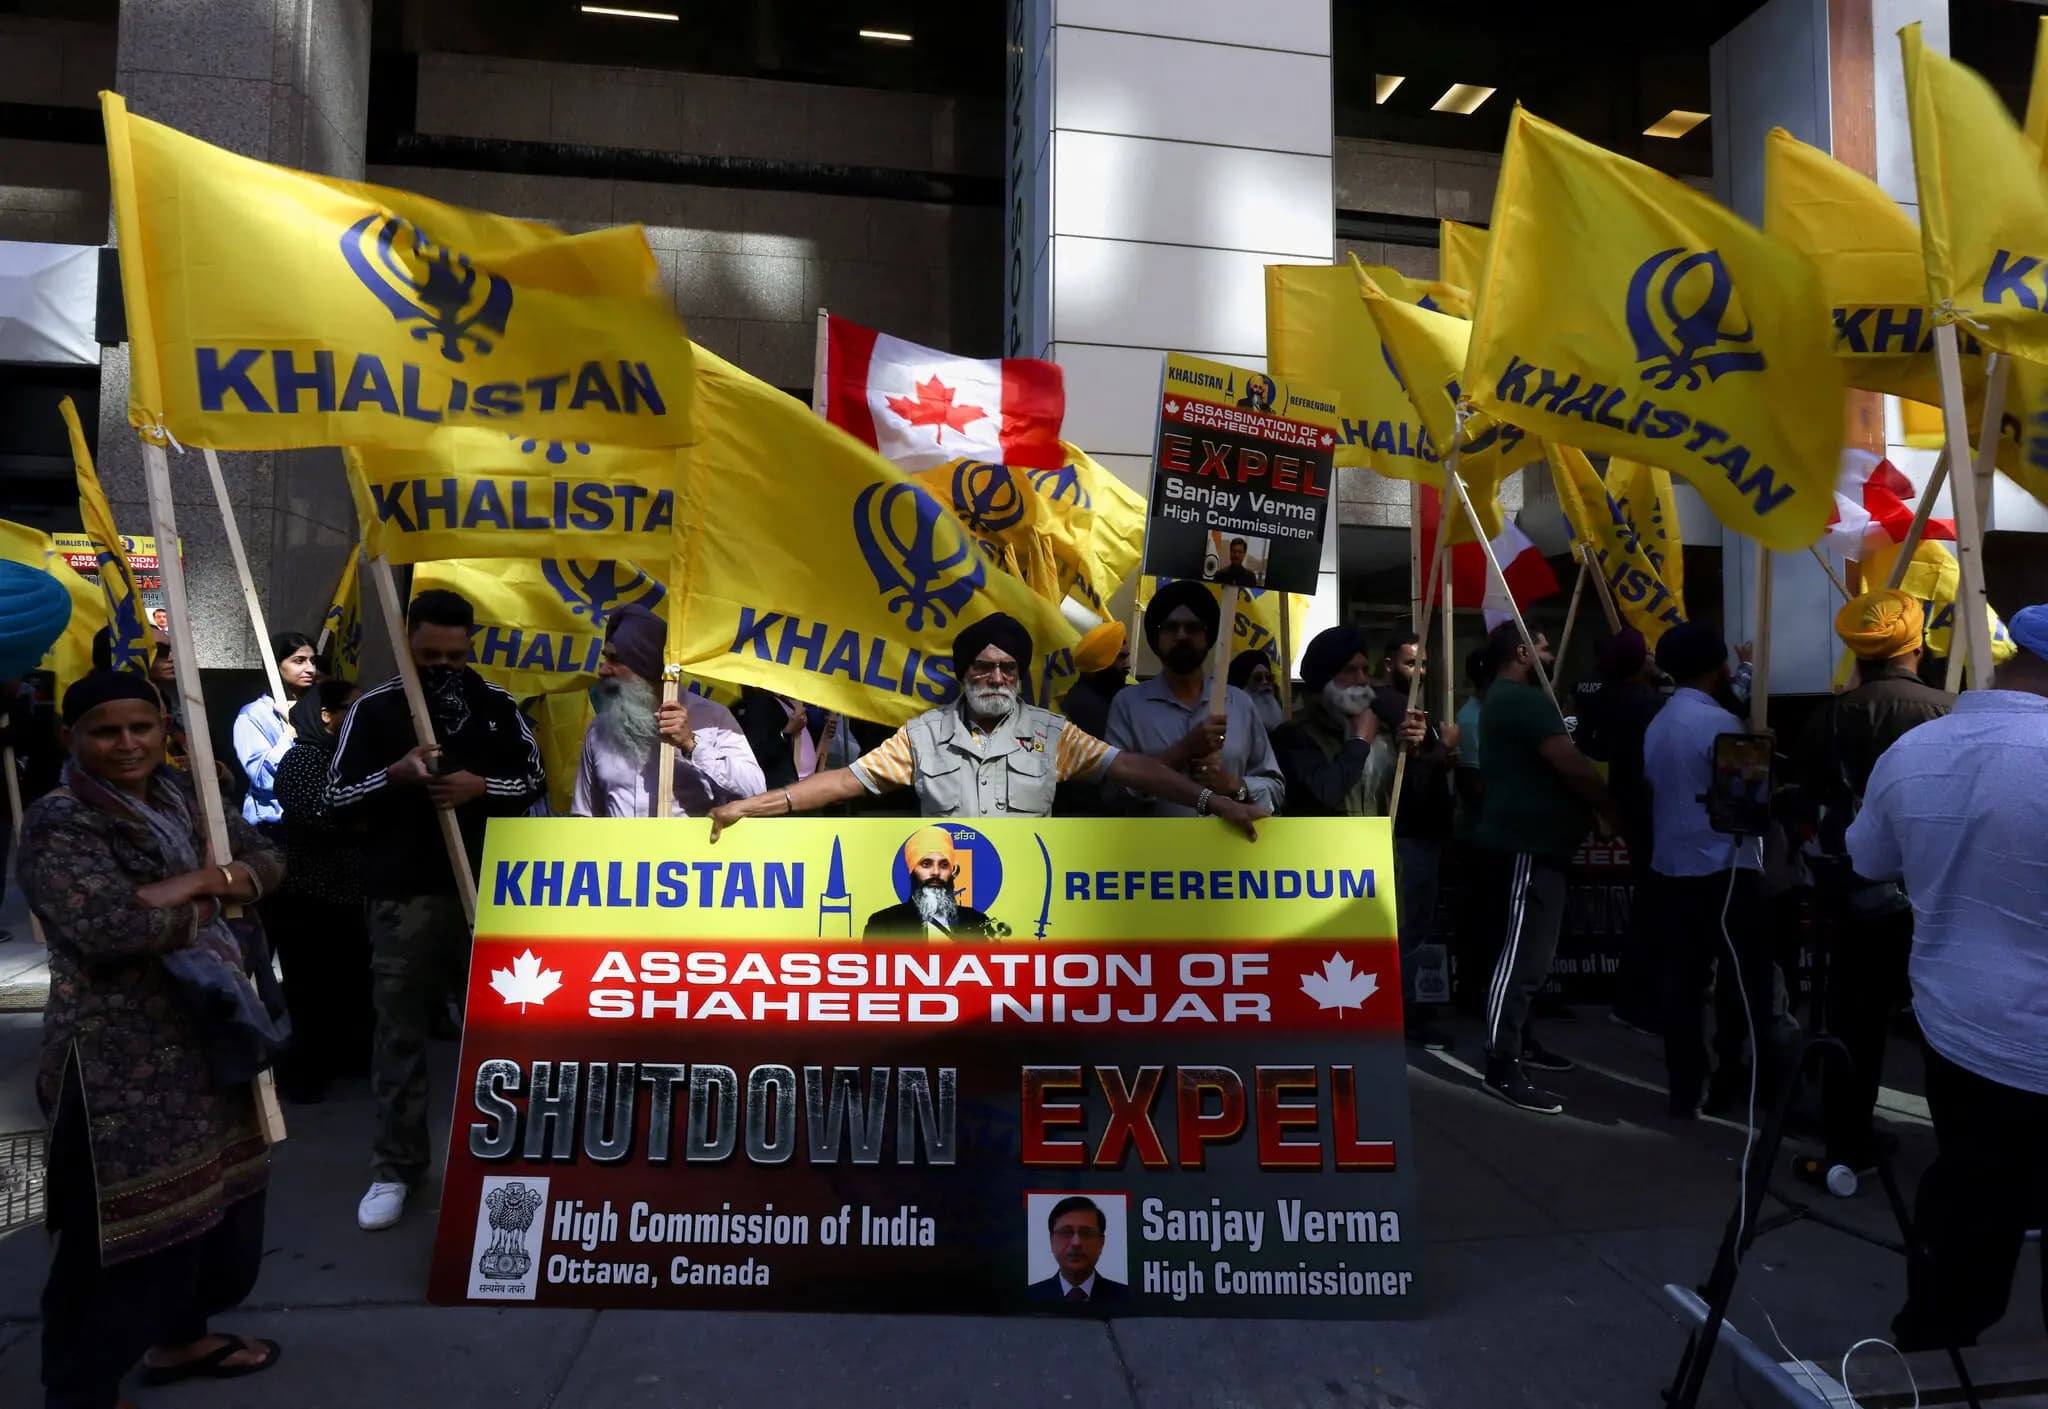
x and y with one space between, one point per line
1147 87
1197 300
1297 26
1133 188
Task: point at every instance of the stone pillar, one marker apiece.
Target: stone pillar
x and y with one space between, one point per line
1828 71
286 81
1158 157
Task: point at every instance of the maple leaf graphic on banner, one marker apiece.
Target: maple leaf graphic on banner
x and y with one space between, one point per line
933 406
1338 985
525 982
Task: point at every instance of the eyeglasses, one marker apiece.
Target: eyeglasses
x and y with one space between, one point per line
990 670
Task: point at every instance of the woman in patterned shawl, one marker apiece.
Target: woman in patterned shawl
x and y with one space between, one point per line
156 1171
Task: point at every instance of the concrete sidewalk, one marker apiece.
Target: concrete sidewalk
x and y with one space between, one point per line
1547 1242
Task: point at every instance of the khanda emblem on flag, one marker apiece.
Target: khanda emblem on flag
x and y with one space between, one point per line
1680 343
126 644
596 589
1062 486
987 496
557 450
925 568
416 279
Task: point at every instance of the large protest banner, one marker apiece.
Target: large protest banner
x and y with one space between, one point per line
1241 477
83 557
738 1076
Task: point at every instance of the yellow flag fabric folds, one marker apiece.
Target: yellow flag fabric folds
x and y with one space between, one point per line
342 629
1257 624
486 494
1100 533
71 657
269 309
1461 254
559 724
540 621
131 644
1643 495
1660 328
1644 598
1011 522
1983 204
1318 331
1935 577
1872 270
812 566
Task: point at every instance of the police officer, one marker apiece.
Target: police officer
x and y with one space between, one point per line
988 754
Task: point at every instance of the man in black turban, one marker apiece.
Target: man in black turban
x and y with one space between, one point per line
987 753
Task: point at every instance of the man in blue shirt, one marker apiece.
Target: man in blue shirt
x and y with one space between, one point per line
1957 810
1708 886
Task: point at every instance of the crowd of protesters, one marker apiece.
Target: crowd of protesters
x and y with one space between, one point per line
1910 814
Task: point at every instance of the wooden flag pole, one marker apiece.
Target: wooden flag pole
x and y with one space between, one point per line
163 520
242 574
1922 511
1998 374
1829 568
1415 578
1760 661
326 631
1971 606
1285 683
422 722
1446 676
1500 579
1571 613
1219 694
1439 568
35 925
1602 589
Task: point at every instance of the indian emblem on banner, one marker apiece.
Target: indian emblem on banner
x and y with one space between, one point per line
418 280
1679 308
923 565
987 496
595 588
507 1210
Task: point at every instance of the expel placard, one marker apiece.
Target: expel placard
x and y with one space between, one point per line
1241 477
84 559
698 1075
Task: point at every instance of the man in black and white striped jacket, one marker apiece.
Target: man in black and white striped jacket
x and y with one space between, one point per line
487 766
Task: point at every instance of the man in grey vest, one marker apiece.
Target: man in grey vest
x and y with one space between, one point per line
988 754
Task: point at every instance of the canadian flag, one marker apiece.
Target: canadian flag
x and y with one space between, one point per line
1874 507
1528 574
921 408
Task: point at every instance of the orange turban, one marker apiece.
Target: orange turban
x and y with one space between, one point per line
1880 625
927 841
1100 648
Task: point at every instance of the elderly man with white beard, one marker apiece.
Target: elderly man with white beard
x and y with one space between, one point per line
988 754
620 768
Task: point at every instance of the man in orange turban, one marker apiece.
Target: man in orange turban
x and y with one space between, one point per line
1867 925
933 910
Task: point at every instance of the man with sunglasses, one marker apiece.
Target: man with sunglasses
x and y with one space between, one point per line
988 754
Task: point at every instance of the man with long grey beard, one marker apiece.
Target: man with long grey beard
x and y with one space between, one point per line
620 768
933 910
988 754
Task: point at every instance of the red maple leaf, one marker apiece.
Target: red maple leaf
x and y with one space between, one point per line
933 406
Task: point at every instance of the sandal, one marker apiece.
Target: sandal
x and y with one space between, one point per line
213 1365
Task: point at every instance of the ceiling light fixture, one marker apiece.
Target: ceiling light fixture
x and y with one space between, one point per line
1675 123
887 36
1384 84
629 14
1462 99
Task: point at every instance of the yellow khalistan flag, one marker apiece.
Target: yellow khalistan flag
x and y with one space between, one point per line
1318 331
1461 253
71 657
131 643
1983 203
1934 577
1643 495
813 567
475 493
1645 600
1658 327
540 621
269 309
559 724
341 630
1257 624
1012 523
1101 534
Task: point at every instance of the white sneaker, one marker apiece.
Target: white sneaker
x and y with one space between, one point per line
381 1207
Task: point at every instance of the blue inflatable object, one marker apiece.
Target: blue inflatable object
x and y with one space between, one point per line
34 610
